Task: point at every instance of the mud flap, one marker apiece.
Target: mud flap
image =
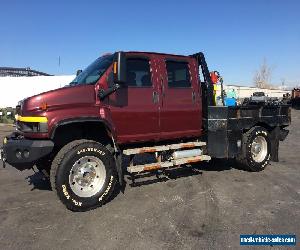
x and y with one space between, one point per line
274 150
118 160
274 137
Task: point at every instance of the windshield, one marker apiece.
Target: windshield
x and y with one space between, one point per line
94 71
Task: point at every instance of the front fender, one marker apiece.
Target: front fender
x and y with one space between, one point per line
108 126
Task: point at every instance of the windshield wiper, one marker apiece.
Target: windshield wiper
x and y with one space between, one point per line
73 83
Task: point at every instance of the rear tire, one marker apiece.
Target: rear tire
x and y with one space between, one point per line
256 149
83 175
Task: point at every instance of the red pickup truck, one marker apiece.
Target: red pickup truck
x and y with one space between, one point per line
129 103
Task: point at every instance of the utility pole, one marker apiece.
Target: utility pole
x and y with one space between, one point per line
59 71
283 83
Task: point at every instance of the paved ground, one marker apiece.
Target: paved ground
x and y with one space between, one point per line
207 208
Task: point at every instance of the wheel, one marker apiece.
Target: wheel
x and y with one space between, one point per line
83 175
256 149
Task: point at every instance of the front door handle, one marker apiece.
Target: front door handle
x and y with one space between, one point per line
193 97
155 97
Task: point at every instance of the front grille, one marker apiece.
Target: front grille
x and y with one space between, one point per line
32 127
27 126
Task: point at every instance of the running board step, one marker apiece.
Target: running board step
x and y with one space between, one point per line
167 164
134 151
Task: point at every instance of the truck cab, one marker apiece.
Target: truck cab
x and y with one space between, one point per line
159 101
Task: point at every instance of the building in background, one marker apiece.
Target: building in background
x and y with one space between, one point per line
13 89
246 91
17 72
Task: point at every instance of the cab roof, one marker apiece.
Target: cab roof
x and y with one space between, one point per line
156 53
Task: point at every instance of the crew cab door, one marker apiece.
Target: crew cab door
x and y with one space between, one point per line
180 114
134 107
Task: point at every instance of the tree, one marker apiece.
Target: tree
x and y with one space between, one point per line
262 77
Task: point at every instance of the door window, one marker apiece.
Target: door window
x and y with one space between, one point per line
178 74
138 72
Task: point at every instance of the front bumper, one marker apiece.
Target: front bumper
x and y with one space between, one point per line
23 153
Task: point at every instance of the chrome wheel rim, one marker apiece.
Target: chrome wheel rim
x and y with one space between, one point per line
259 148
87 176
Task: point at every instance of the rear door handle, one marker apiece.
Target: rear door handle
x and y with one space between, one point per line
155 97
162 87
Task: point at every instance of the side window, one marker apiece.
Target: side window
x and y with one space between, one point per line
178 74
138 72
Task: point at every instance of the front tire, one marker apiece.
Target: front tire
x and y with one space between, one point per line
256 149
83 175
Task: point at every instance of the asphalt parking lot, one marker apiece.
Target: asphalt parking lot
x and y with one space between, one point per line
203 208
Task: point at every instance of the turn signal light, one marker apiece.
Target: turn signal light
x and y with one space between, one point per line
115 67
43 106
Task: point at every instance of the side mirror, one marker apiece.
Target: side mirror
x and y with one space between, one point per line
119 68
78 72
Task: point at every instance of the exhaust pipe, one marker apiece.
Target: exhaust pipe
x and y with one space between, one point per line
186 153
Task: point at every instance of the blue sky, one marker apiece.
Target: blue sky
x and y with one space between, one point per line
235 35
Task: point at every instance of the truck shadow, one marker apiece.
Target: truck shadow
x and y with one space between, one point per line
38 181
161 176
296 107
180 172
218 165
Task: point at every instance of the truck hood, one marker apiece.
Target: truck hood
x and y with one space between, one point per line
69 96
